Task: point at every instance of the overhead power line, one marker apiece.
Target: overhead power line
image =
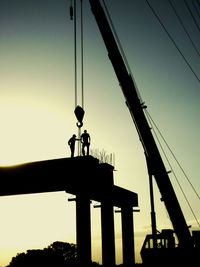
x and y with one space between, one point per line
172 40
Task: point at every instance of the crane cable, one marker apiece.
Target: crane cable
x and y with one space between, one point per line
73 16
196 8
191 14
79 110
172 40
178 163
148 116
183 26
82 58
152 123
75 54
120 47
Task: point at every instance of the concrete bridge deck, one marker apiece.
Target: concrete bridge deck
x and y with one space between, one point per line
87 179
74 175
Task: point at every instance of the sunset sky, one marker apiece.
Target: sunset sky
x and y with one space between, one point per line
37 109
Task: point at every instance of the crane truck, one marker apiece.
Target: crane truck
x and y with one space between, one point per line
157 247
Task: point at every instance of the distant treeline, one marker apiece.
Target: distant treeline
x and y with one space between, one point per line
58 254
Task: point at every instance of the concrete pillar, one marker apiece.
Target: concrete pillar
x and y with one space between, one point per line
108 234
127 236
83 230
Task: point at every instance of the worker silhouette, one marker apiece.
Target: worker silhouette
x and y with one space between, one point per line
71 143
85 140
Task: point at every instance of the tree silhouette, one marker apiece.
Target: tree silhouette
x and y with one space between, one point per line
65 250
59 254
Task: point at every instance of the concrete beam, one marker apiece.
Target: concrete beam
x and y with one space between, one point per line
73 175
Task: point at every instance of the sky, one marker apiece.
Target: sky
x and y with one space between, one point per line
37 110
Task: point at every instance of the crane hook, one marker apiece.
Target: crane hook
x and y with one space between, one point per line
79 124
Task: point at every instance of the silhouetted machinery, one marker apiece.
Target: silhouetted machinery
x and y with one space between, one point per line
158 247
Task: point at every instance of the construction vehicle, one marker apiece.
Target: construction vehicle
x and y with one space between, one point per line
158 247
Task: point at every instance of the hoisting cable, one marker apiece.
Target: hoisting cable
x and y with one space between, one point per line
82 59
79 112
75 56
73 16
151 123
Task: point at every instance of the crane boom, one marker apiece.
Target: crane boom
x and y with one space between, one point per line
136 110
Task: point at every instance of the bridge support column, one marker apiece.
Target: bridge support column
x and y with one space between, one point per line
108 234
127 236
83 230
